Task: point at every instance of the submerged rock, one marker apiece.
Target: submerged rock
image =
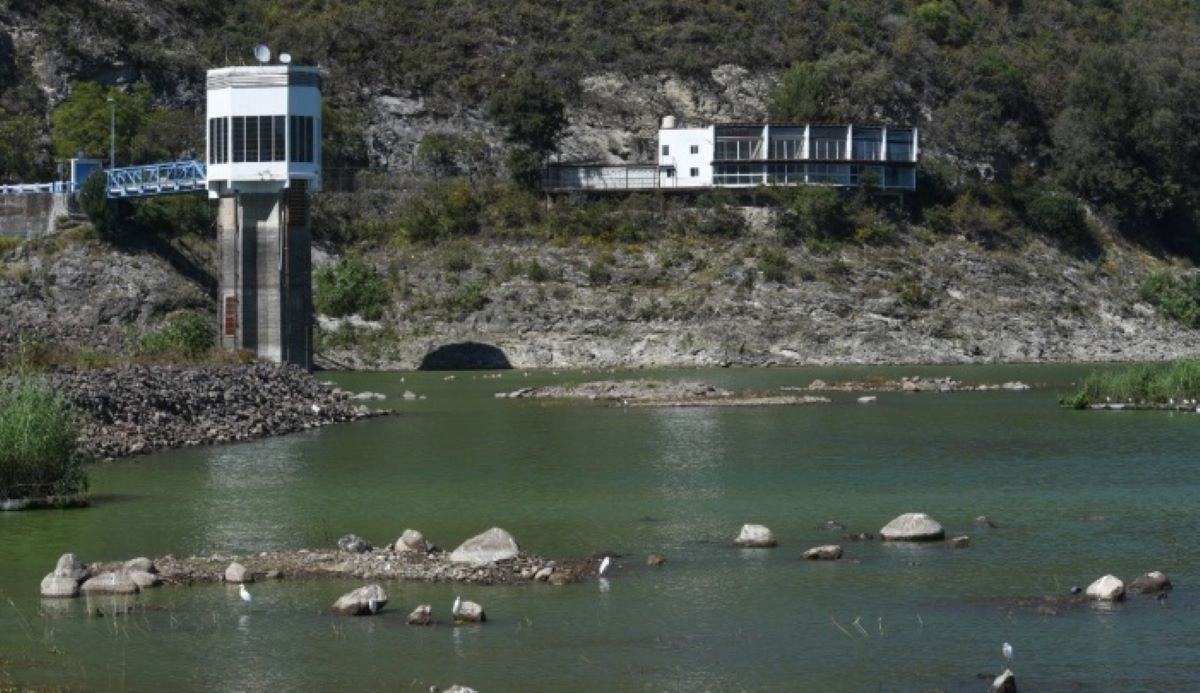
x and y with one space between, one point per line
110 583
913 527
829 552
831 525
984 522
421 616
1107 589
489 547
59 586
755 537
655 559
1153 582
237 573
352 543
358 602
959 542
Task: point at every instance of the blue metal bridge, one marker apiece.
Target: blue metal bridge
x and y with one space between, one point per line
149 180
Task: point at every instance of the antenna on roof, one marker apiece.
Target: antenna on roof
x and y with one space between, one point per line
262 54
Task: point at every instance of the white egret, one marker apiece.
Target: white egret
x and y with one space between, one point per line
1007 650
244 593
373 605
604 565
454 609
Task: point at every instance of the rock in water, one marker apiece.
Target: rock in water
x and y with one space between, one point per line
913 527
1005 683
1153 582
655 559
358 602
110 583
984 522
960 542
459 689
237 573
469 612
829 552
1107 589
411 540
143 579
868 399
755 537
491 546
352 543
421 616
69 566
59 586
142 564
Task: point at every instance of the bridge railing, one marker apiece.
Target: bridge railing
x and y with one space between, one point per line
58 186
156 179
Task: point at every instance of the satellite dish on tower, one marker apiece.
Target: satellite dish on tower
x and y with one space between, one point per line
285 58
262 54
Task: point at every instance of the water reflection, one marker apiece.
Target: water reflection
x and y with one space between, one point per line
692 450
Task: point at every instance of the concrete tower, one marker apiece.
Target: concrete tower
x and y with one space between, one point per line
264 161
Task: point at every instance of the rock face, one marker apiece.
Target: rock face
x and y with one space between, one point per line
237 573
352 543
1153 582
358 602
421 616
69 566
829 552
755 537
1107 589
1005 683
59 586
469 612
489 547
110 583
913 527
411 540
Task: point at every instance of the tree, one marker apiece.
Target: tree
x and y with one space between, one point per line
168 135
801 95
19 151
531 109
81 122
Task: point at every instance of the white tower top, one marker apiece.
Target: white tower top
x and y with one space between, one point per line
264 128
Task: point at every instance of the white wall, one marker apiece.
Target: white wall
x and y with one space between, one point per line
679 143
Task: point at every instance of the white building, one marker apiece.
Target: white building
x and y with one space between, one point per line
264 128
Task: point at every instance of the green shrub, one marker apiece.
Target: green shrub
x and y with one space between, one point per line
93 200
536 273
350 287
774 265
39 433
1140 384
9 244
812 212
443 210
185 335
465 299
1178 299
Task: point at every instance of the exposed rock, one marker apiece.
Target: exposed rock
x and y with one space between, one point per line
829 552
59 586
658 393
409 396
411 540
142 564
456 688
1153 582
352 543
421 616
1005 683
469 612
358 602
1107 589
237 573
755 536
69 566
143 579
959 542
368 396
913 527
543 574
110 583
655 559
868 399
489 547
984 522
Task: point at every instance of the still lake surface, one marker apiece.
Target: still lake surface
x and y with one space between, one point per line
571 479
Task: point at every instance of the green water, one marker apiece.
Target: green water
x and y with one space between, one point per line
571 479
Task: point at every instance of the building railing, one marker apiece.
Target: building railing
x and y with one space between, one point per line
601 177
58 186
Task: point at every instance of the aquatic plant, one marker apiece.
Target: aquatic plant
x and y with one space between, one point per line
38 443
1162 383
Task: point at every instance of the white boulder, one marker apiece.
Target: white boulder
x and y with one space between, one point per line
1107 589
913 527
755 537
489 547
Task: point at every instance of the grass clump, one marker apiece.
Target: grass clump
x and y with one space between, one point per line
1140 384
39 454
187 335
348 288
1178 299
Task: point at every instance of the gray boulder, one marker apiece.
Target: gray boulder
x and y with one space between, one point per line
960 542
1005 683
913 527
456 688
352 543
491 546
411 541
110 583
469 612
828 552
59 586
143 579
421 616
755 537
142 564
237 573
1153 582
358 602
1107 589
69 566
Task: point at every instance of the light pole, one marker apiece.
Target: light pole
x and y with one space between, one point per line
112 132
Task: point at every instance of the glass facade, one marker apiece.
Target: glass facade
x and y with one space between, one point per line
218 140
255 138
749 174
302 134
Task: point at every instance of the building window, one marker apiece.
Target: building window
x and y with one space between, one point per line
255 138
666 149
670 173
694 172
695 149
302 139
218 140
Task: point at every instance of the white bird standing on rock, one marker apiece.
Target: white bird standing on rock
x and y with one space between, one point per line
373 605
244 593
1007 650
454 609
604 565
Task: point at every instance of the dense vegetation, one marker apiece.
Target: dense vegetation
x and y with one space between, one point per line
38 451
1161 384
